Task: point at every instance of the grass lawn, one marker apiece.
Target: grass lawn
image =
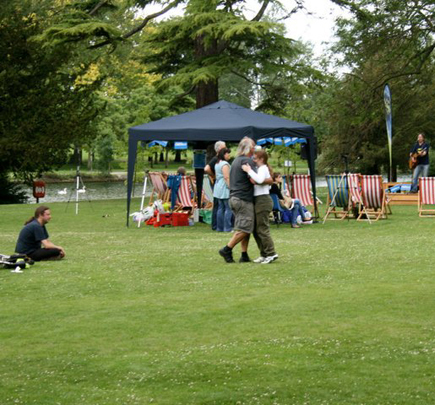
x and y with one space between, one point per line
136 316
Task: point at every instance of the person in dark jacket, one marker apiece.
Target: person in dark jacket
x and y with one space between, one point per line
34 241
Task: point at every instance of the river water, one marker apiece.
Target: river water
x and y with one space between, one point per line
63 192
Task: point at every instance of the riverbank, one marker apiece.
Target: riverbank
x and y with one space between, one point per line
67 177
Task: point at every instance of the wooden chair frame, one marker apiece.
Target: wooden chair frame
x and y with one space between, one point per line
184 197
160 189
338 197
301 189
374 205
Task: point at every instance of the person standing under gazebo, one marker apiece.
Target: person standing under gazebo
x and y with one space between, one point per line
209 170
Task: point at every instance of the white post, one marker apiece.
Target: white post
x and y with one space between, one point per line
77 193
143 199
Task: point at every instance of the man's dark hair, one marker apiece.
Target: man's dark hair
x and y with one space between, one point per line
38 212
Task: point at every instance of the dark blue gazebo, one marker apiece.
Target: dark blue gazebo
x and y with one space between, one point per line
218 121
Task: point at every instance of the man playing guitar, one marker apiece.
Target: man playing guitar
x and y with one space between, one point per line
419 160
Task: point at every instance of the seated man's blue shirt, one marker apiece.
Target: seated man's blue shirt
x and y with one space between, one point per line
30 237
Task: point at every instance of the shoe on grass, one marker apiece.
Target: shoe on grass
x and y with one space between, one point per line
259 260
269 259
227 254
244 259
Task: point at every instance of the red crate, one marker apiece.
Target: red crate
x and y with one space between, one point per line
162 220
180 219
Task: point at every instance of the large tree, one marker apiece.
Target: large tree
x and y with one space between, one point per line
43 107
384 41
212 39
402 30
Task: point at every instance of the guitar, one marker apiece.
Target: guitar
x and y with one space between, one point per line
413 160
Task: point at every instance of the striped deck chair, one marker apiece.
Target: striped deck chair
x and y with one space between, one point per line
373 198
354 187
160 189
184 195
338 197
301 188
205 202
426 196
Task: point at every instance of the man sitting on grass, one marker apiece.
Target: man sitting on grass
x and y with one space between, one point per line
34 234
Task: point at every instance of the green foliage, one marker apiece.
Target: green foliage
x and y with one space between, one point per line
236 90
10 193
74 22
211 41
105 151
383 41
42 108
398 33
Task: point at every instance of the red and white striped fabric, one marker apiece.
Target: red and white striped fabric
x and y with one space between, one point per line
158 183
427 190
372 191
354 188
184 197
301 188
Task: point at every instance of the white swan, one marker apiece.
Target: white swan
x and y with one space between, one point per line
82 190
62 192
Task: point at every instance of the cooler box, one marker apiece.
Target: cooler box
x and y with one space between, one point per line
206 216
180 219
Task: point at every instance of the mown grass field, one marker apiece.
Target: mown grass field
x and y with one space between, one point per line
138 316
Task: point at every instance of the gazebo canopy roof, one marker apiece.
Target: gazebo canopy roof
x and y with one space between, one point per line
220 121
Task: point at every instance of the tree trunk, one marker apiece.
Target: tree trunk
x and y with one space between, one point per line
206 92
90 159
394 172
177 156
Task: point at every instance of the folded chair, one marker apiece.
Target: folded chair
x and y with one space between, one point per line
426 196
207 192
160 189
373 198
338 197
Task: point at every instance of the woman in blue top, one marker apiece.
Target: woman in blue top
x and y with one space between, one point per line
221 191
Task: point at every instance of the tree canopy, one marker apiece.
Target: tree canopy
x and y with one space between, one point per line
44 105
384 41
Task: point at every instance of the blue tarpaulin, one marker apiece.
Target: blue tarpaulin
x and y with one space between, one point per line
286 141
180 145
161 143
